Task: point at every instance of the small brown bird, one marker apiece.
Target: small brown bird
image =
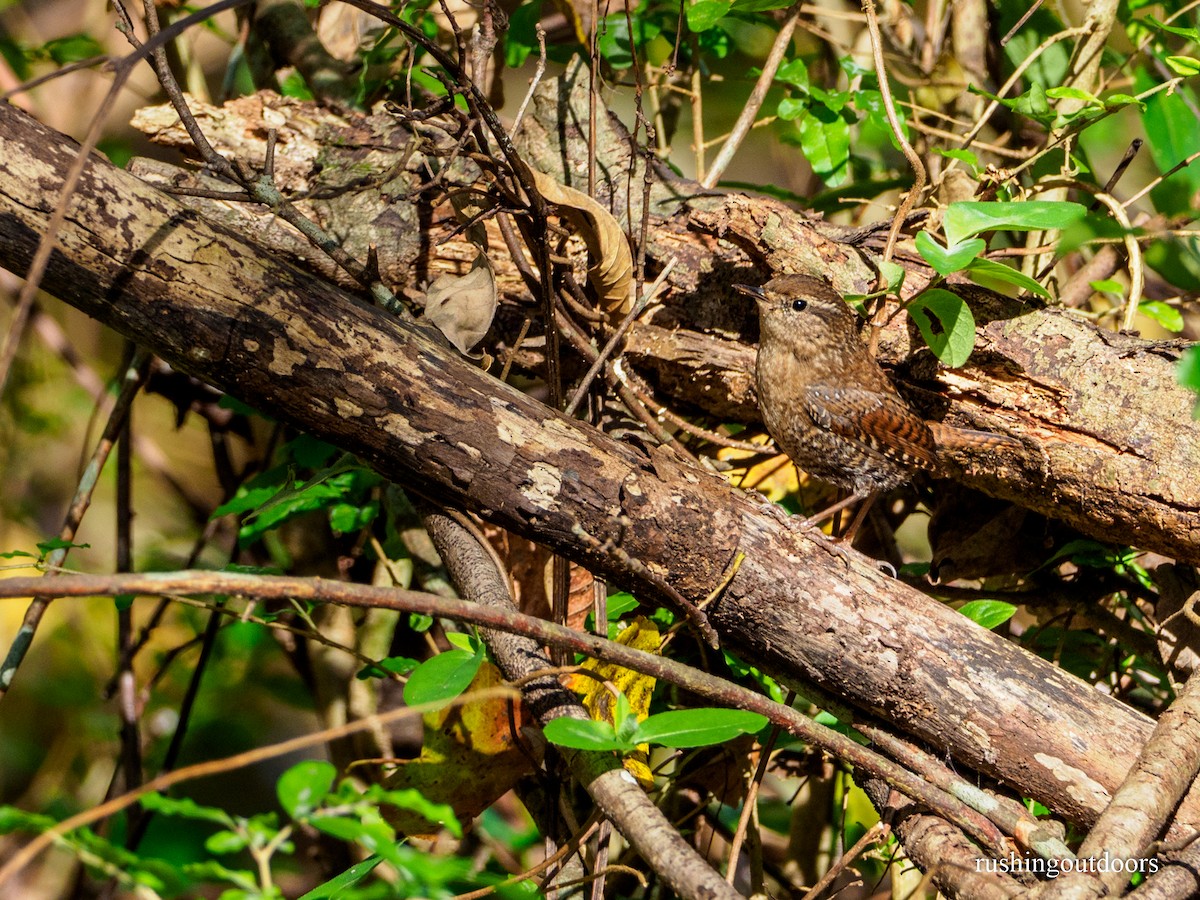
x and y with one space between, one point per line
828 404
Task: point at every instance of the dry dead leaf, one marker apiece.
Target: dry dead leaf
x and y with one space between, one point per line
611 269
463 306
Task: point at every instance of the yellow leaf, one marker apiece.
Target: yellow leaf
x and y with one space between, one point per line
469 758
598 698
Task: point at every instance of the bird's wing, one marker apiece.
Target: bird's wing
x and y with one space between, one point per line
880 421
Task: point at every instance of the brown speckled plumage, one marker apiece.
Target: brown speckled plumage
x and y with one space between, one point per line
828 404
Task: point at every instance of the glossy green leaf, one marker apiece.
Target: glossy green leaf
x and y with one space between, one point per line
1183 65
795 73
704 14
336 886
968 218
984 270
584 734
302 787
1073 93
825 140
697 727
946 323
1167 316
442 678
988 613
790 109
946 260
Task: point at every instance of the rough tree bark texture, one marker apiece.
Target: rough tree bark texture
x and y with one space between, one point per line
285 341
1110 444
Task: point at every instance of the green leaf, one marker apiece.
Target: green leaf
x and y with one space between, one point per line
795 73
18 554
1192 34
1032 104
71 49
968 218
680 728
965 156
584 734
790 108
1072 93
255 492
893 275
988 613
1188 373
704 14
347 518
1172 134
946 323
342 827
302 787
761 5
1108 285
462 641
335 886
412 799
393 665
1116 101
825 140
294 85
625 723
49 546
987 269
1183 65
226 842
185 808
946 260
1167 316
211 870
443 677
620 603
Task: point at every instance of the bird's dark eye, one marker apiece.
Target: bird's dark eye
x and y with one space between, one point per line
799 305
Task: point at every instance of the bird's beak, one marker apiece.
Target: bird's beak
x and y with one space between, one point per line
750 290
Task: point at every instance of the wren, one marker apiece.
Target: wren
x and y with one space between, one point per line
827 403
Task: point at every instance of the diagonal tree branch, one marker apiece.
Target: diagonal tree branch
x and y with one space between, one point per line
812 614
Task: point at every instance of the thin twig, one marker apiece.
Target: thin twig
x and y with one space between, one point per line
194 582
1161 178
1014 78
1034 7
696 618
748 805
889 106
30 851
134 377
745 120
633 313
537 77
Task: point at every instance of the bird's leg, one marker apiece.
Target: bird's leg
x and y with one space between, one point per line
846 536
